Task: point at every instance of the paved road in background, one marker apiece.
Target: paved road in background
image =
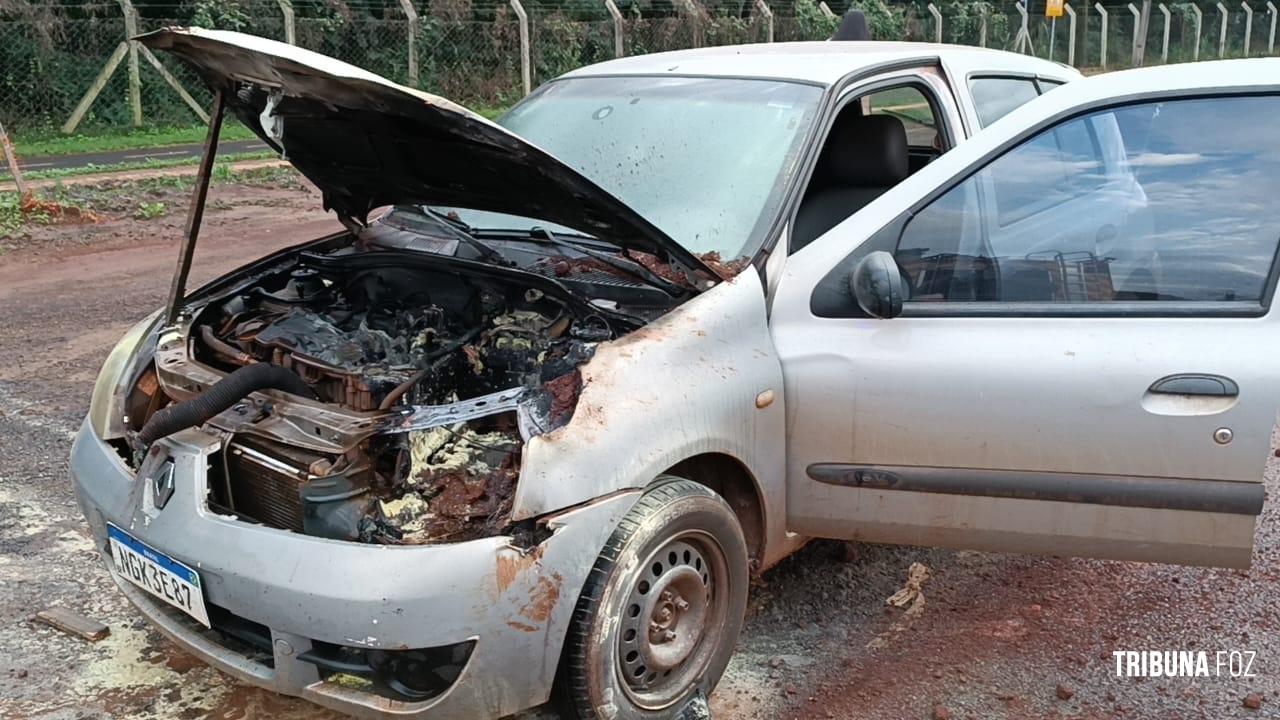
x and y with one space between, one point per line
113 157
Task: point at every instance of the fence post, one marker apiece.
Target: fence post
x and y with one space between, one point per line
763 8
411 15
1222 30
1140 44
1137 20
616 14
1071 47
826 10
937 23
1248 26
1195 10
1103 12
95 87
691 14
135 79
286 11
1022 41
173 83
526 69
1164 48
1271 39
14 169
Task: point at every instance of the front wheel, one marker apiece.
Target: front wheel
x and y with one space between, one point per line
661 610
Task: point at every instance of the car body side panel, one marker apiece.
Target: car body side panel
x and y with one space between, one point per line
1053 396
1050 396
684 385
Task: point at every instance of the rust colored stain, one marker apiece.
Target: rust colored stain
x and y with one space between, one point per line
510 565
564 267
521 626
542 598
725 269
661 269
564 395
55 212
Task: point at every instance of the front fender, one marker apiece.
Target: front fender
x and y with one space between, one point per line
681 386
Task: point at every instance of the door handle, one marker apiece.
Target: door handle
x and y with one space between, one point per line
1195 384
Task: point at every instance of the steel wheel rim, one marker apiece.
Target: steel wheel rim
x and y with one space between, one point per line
673 619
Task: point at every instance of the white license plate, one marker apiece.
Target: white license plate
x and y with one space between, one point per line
157 573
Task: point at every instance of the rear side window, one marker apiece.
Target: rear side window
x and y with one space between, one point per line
1157 202
908 104
995 97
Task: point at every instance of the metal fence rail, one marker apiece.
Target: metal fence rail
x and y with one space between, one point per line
50 66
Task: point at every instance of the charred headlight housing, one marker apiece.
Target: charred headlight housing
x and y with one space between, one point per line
106 416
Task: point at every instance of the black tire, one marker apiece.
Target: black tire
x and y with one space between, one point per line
674 647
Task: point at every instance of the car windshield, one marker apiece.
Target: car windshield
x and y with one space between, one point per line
705 160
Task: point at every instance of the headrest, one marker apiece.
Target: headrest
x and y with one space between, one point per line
867 151
852 27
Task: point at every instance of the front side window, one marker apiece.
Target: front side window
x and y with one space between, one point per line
1165 201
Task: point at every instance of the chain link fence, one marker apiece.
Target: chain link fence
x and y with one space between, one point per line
48 64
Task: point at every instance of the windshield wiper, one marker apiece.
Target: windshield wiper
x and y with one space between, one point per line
630 267
463 232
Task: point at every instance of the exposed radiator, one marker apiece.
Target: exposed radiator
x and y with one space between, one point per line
261 486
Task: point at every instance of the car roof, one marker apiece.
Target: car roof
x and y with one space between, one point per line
819 62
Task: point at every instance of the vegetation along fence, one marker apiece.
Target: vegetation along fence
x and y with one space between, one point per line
67 66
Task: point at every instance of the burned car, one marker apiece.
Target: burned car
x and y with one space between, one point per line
562 384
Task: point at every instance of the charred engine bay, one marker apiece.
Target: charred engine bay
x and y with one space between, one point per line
445 370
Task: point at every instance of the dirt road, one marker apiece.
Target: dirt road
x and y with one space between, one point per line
1004 637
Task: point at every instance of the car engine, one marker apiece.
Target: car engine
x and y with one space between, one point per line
419 386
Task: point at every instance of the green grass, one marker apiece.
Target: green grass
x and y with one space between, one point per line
149 210
11 216
37 144
490 113
142 199
50 142
47 142
149 164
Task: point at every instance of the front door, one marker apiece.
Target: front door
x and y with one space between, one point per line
1082 366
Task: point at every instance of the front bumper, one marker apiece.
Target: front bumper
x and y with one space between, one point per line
515 604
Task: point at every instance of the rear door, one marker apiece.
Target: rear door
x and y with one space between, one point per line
1083 365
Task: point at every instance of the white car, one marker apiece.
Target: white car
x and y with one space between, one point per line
537 425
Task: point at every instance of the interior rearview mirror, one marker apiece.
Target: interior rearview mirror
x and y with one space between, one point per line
877 285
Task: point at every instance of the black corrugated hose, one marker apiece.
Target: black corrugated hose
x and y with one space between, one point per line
220 396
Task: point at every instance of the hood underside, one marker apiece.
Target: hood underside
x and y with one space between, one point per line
367 142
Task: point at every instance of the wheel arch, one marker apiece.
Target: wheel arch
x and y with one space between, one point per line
729 477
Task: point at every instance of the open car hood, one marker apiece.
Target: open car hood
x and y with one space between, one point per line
367 142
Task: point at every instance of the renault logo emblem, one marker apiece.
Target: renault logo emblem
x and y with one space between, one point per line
162 484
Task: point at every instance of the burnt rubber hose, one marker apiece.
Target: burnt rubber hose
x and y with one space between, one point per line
225 349
220 396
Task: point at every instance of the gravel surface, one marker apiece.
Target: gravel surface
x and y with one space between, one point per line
999 636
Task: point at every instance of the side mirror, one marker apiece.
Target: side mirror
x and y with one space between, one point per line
877 285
